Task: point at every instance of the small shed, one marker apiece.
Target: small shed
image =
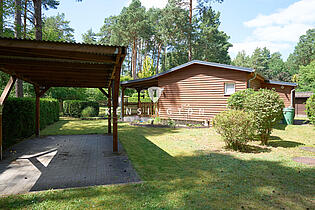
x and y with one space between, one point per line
300 100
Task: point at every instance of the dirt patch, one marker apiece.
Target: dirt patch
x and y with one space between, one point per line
305 160
166 126
311 149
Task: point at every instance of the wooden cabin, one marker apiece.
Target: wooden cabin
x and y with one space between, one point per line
300 100
198 90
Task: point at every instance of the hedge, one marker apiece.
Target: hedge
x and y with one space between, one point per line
74 108
19 117
310 109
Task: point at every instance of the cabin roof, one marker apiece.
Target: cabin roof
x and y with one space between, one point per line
146 82
303 94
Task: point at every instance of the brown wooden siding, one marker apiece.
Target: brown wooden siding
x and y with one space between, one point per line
300 106
284 93
197 92
255 84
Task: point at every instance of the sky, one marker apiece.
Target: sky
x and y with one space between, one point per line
275 24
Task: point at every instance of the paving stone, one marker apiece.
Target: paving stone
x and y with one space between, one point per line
57 162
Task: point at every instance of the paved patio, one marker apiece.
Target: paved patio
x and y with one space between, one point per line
57 162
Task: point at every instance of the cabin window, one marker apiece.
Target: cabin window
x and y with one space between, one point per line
229 88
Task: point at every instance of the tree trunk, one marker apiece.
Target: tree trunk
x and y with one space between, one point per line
25 19
134 59
189 38
38 19
18 27
158 58
17 18
1 17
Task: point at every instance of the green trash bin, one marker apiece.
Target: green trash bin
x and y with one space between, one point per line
288 115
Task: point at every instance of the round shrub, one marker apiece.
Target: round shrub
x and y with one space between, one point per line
237 99
89 112
310 109
266 107
236 128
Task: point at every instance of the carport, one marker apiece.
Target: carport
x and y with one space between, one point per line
46 64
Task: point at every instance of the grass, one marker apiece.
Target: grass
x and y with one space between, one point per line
190 169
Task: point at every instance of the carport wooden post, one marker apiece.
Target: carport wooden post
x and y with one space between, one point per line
37 115
3 97
109 105
122 103
39 92
108 95
139 102
115 105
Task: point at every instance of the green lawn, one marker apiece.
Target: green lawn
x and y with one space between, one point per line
190 169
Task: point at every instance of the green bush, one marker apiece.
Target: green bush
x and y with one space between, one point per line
236 128
310 109
171 123
74 108
19 117
135 99
266 107
89 112
237 99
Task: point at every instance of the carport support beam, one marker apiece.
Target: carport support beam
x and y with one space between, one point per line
122 103
115 105
109 105
3 97
39 93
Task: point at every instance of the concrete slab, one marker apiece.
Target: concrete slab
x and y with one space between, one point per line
57 162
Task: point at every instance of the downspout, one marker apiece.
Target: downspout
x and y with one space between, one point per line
292 97
255 75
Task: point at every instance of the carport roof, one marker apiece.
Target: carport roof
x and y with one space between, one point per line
60 64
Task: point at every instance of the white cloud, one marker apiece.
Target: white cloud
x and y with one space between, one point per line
299 12
155 3
250 46
279 31
152 3
284 33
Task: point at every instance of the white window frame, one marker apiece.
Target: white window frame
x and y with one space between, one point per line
225 88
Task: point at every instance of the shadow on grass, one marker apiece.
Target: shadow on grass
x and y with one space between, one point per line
280 126
276 141
203 180
254 149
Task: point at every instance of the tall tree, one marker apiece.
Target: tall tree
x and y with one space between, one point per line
18 30
1 16
210 44
89 37
306 78
56 28
201 6
130 26
242 60
277 70
304 52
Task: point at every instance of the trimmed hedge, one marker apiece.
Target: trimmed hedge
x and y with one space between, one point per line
310 109
19 117
74 108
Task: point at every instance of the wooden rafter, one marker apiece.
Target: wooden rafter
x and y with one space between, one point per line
7 90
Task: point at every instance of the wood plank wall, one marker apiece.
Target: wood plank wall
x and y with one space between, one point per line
284 93
196 92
